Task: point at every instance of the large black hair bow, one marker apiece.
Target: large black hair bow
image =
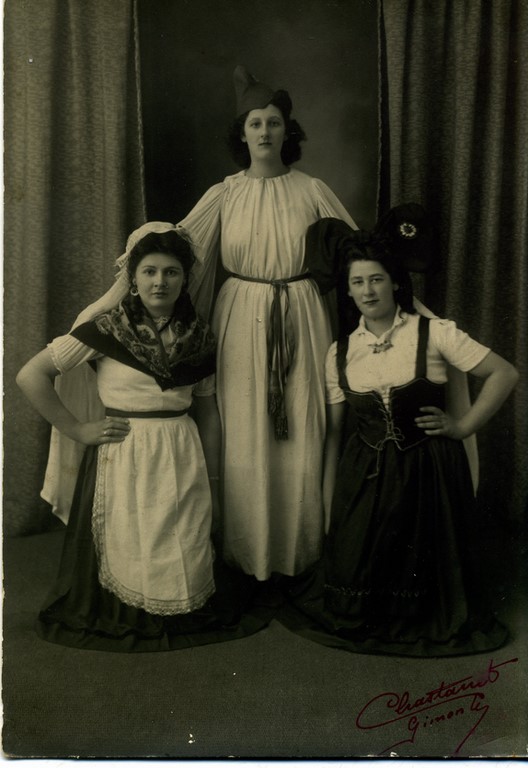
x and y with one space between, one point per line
405 231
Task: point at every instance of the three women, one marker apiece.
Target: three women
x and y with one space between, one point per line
384 579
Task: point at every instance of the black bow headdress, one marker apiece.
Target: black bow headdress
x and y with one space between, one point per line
405 232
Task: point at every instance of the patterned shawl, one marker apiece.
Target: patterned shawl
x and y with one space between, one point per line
133 341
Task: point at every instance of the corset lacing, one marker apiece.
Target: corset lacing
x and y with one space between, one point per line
393 433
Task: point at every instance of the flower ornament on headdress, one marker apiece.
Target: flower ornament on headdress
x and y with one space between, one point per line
138 234
405 231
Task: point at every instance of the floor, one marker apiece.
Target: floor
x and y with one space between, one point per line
271 695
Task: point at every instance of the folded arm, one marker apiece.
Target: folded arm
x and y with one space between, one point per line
36 379
500 377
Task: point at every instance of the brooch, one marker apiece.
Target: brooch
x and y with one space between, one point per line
382 346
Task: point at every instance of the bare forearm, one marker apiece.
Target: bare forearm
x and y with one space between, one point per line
210 430
36 379
494 392
334 429
499 378
330 472
211 449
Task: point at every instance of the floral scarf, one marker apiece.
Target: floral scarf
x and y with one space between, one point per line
188 358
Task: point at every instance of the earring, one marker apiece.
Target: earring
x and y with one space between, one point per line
134 291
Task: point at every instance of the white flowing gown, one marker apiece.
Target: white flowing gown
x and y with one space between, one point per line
273 513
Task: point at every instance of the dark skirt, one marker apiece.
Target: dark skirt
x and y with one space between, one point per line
82 614
397 575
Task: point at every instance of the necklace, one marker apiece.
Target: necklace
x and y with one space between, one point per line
381 346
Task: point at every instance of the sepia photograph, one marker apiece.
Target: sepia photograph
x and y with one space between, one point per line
265 362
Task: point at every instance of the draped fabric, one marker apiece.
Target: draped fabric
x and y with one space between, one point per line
454 132
73 191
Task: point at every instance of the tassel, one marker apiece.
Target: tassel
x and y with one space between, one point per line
277 411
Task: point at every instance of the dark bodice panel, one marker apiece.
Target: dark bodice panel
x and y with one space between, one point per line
376 425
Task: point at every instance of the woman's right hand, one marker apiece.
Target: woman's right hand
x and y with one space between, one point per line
112 429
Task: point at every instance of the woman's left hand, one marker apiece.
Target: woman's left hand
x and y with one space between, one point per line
436 422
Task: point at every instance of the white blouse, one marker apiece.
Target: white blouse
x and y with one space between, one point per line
367 371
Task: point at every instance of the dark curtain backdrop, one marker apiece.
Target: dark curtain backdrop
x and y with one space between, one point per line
454 101
454 137
73 191
324 53
73 129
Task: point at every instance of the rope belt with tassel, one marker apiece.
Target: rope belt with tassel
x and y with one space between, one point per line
281 348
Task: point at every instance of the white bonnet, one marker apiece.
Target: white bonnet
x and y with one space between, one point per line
139 233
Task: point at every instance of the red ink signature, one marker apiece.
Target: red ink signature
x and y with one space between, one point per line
465 694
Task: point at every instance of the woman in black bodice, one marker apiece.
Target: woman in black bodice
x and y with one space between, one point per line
398 491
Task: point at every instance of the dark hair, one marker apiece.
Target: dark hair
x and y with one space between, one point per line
291 149
169 243
372 250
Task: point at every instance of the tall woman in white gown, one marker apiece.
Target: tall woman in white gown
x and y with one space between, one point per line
272 329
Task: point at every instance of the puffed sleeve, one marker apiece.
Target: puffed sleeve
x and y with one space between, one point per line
201 227
456 346
334 393
329 205
67 353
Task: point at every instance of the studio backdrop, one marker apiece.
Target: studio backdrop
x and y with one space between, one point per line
454 137
73 190
116 112
90 86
